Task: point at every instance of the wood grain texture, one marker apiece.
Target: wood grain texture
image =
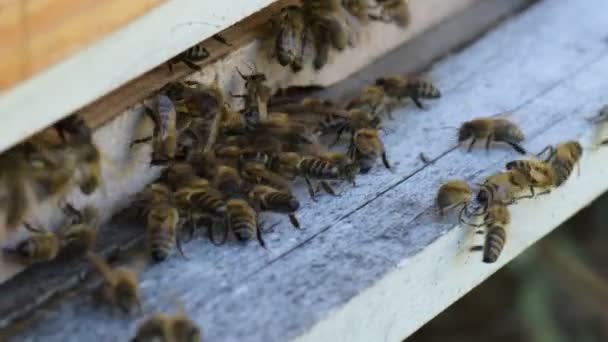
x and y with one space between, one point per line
35 34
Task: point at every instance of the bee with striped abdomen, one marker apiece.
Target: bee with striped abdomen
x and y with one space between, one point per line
495 220
366 147
562 158
242 221
190 57
492 130
415 88
270 199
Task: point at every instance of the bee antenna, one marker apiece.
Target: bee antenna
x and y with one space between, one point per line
241 74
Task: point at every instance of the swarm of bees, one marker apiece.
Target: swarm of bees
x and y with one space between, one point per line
521 179
324 25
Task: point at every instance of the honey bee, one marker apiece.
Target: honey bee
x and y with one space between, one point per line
365 149
200 197
504 188
492 129
328 166
327 29
228 181
242 221
41 246
291 38
79 235
257 97
257 173
397 11
453 194
538 173
415 88
372 100
563 158
496 220
270 199
190 57
162 327
73 128
162 222
164 137
120 288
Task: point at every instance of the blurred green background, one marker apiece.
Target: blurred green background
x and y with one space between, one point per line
557 291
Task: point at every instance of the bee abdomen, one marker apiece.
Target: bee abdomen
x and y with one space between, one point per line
495 241
196 53
425 89
320 169
38 248
243 226
209 202
161 244
280 202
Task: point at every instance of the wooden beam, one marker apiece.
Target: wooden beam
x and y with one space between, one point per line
39 33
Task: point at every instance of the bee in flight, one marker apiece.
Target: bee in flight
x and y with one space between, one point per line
120 287
492 130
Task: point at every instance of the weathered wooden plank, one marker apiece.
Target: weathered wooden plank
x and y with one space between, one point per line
39 33
385 223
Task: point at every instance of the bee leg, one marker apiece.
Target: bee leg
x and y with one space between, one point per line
385 160
311 190
219 38
170 66
178 244
140 141
479 232
327 188
551 150
258 235
517 147
33 229
473 141
417 102
294 221
191 65
476 249
489 141
338 135
212 238
238 95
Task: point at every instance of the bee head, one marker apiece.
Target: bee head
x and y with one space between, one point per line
465 132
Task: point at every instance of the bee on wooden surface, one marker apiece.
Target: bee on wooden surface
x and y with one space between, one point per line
563 158
120 286
538 173
41 246
242 221
270 199
190 57
492 130
496 220
200 197
415 88
396 11
504 188
79 235
282 128
257 173
453 194
168 328
291 38
366 147
372 100
164 137
162 221
228 181
328 166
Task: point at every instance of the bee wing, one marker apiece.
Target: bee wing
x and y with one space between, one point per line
167 117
